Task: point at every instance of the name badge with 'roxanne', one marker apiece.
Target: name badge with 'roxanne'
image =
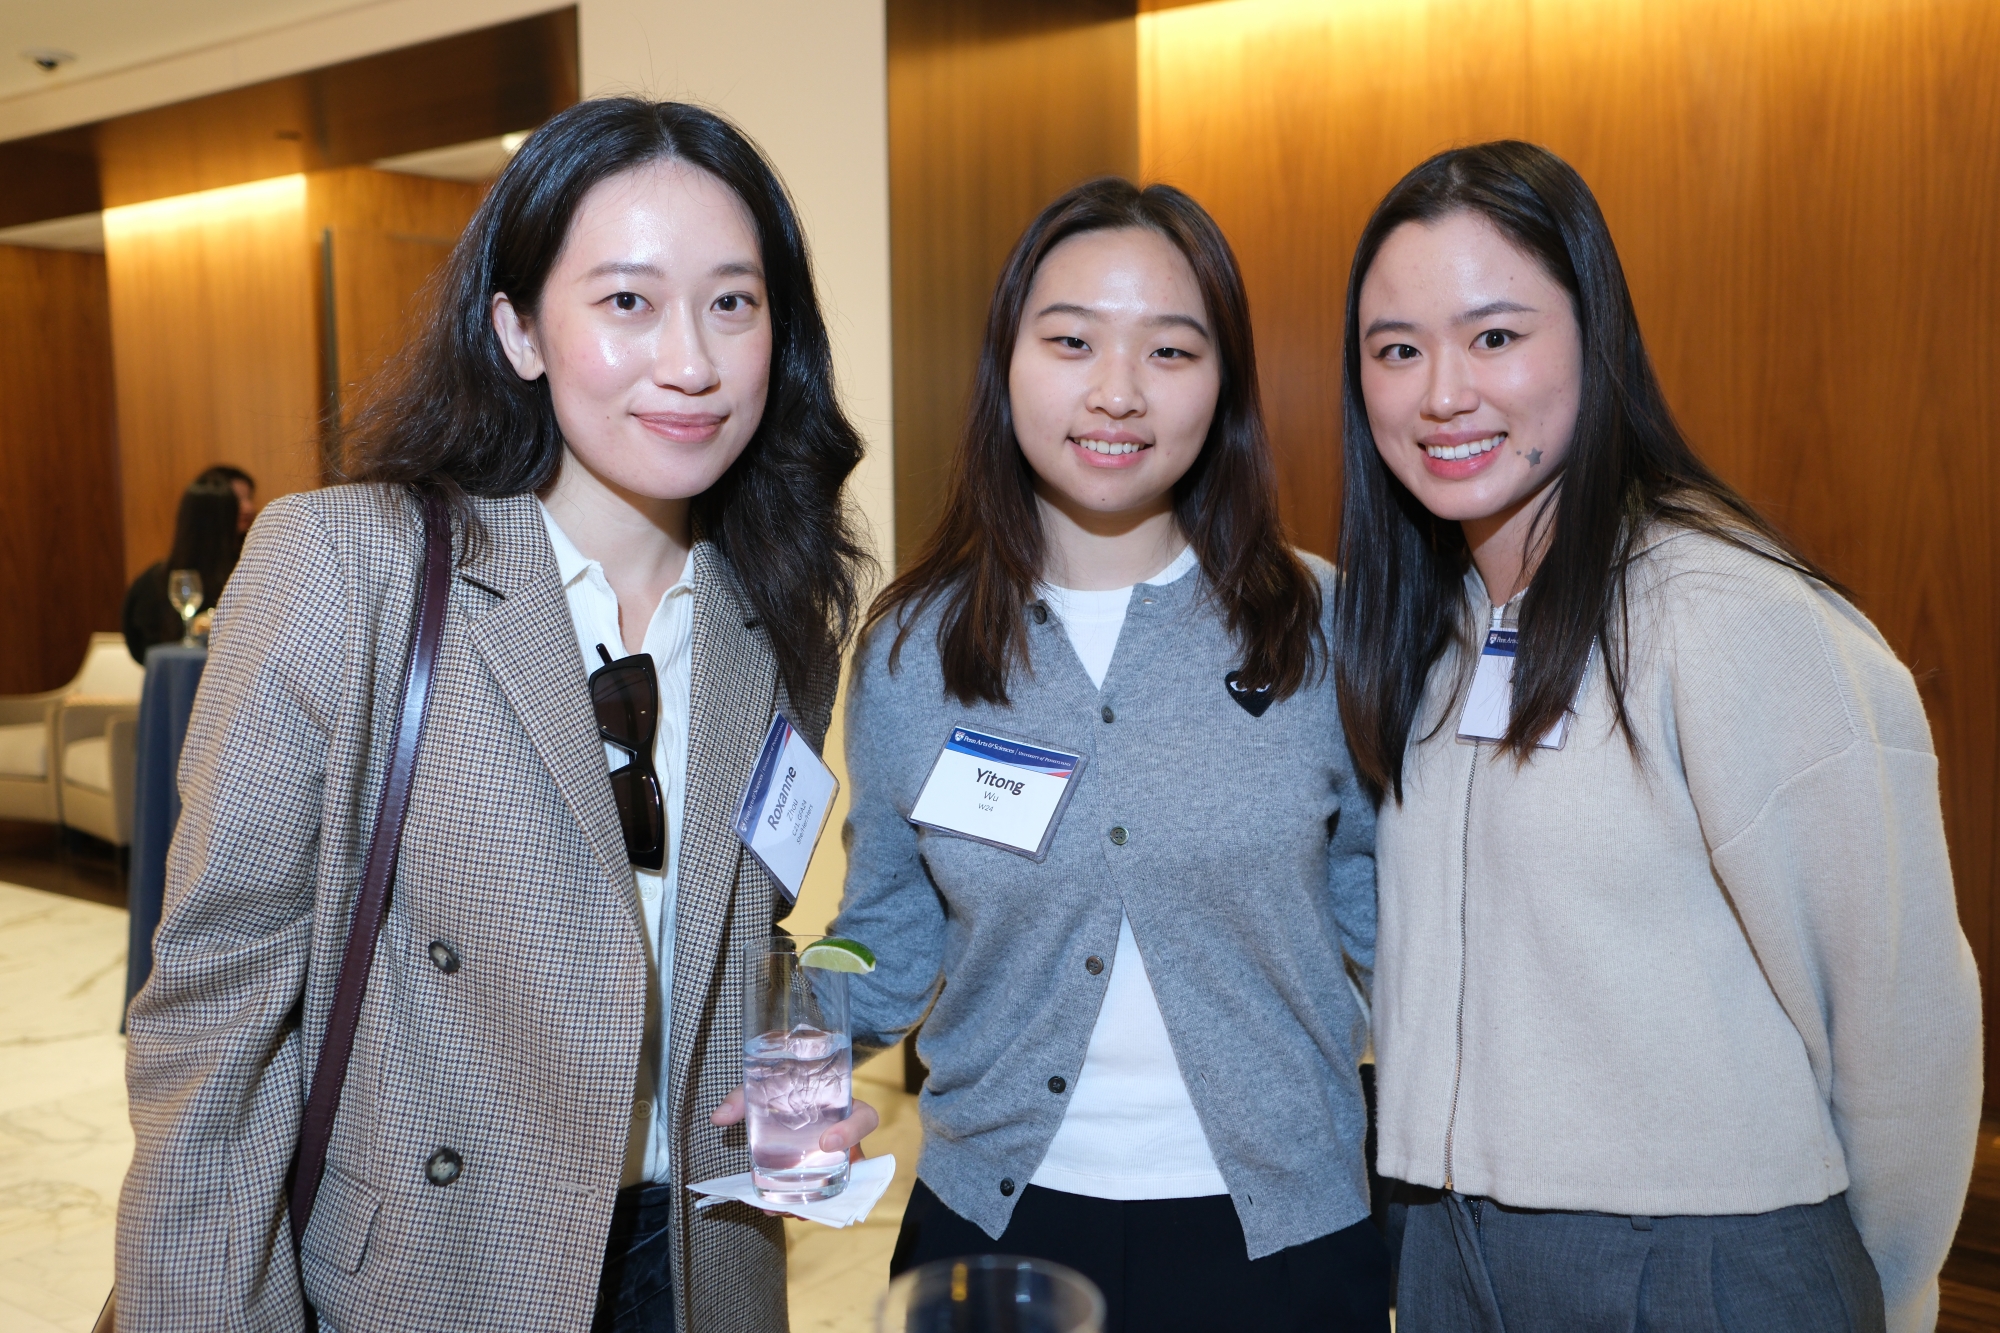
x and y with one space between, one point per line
785 805
1005 793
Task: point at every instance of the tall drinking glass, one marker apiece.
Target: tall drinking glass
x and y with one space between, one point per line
798 1070
991 1293
184 591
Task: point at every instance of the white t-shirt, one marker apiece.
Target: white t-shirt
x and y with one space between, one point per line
593 608
1130 1130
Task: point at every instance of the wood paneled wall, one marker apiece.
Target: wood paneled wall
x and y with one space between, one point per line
383 237
60 529
994 110
242 315
212 304
1806 197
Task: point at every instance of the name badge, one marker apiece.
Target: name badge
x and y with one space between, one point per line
1490 703
1005 793
784 808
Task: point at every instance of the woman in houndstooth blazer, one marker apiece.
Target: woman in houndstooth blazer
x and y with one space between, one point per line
625 394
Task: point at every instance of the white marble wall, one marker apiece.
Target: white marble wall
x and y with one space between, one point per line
64 1137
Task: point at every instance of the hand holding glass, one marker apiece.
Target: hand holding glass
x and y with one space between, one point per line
184 591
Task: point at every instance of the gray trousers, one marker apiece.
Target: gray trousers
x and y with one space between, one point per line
1472 1266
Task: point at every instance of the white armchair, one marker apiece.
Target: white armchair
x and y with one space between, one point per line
99 743
36 743
28 786
97 733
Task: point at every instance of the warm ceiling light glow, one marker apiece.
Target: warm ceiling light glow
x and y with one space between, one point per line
1218 18
512 142
279 194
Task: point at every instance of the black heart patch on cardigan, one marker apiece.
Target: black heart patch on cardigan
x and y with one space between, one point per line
1254 702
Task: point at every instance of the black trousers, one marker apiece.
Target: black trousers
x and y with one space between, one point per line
636 1292
1166 1265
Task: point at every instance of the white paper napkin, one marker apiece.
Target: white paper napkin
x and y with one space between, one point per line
866 1182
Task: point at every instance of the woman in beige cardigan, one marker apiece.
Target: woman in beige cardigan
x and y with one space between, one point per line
626 395
1676 1025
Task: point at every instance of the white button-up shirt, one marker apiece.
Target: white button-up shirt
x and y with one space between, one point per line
593 608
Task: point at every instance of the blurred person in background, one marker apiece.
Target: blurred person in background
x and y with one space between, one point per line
208 536
243 484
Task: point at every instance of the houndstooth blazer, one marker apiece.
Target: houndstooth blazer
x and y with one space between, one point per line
523 1058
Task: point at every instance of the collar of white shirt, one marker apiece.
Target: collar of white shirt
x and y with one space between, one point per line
572 564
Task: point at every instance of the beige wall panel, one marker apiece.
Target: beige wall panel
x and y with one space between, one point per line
1806 197
804 78
212 320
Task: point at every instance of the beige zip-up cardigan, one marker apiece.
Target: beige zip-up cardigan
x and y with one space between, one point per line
1724 975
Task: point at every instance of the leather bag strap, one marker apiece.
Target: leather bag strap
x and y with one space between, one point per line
323 1102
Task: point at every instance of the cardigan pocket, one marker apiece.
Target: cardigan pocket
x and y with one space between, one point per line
343 1218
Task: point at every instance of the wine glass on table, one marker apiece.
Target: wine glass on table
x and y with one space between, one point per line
184 591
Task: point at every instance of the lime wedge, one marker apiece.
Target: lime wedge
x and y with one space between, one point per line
837 955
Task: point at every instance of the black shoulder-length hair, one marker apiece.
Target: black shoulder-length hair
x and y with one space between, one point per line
1401 599
455 417
984 559
205 535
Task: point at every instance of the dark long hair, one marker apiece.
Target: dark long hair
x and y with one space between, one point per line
205 536
1401 599
985 556
455 417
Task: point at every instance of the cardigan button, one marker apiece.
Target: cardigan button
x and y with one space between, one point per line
1041 612
443 1167
1058 1085
1118 835
443 956
1093 965
1006 1188
1107 714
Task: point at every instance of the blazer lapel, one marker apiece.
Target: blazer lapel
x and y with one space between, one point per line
734 687
529 642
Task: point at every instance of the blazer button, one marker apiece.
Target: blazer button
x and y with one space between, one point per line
443 1167
1108 715
442 955
1058 1086
1093 965
1118 835
1006 1187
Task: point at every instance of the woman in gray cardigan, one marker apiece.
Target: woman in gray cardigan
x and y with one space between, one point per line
1676 1026
1141 1001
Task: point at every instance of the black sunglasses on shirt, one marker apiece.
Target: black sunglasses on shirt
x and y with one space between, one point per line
625 695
